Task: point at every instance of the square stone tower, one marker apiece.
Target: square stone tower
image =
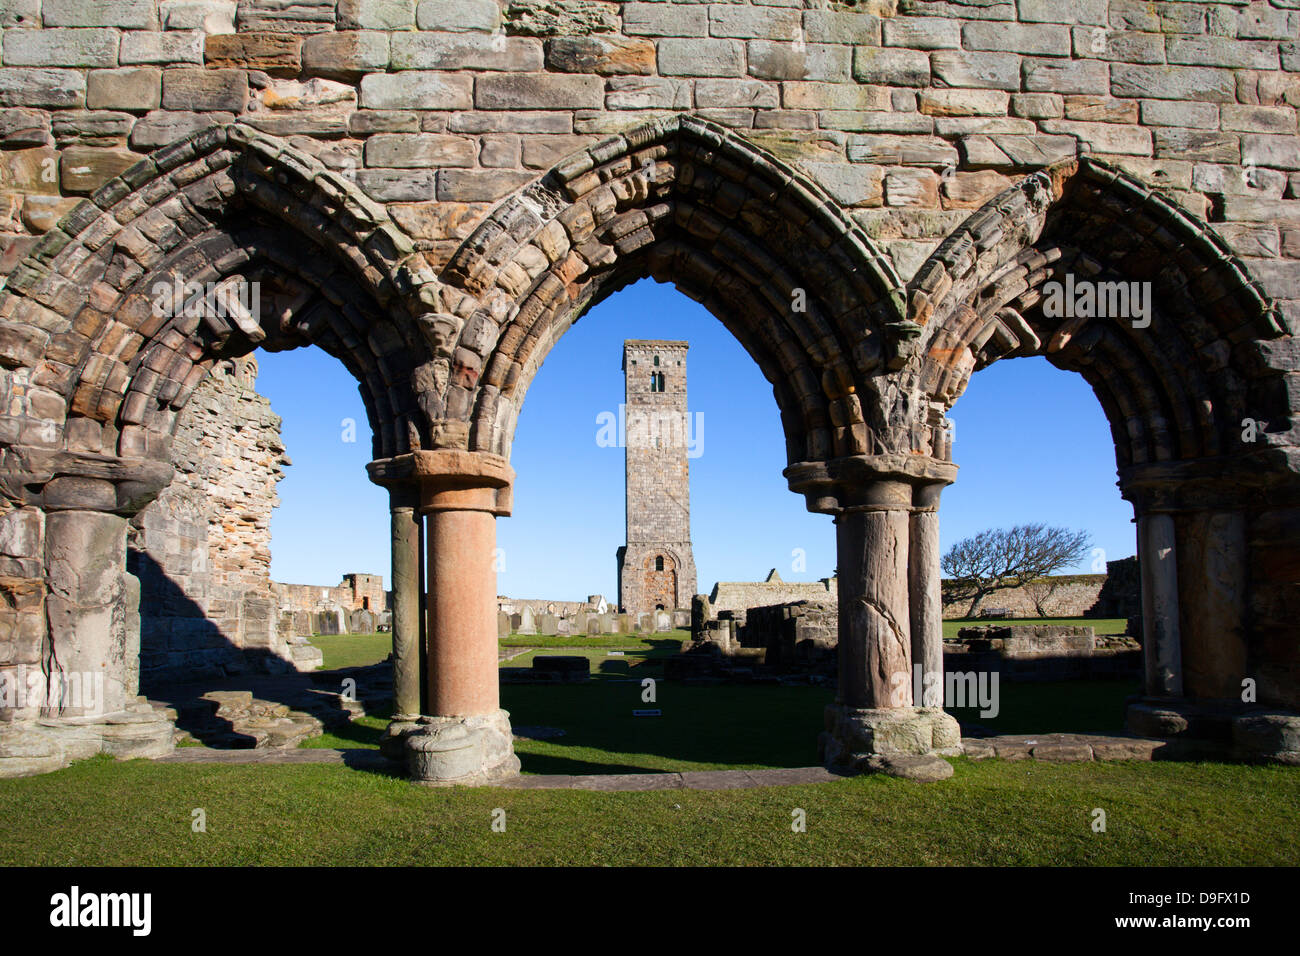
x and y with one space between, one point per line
656 568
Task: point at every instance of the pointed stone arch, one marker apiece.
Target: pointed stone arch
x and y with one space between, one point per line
102 316
1176 386
799 284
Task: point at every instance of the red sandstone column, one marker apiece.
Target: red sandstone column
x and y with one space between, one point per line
875 643
463 678
925 597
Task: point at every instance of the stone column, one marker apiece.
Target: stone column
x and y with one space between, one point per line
407 675
90 646
463 679
1161 643
925 597
875 714
464 737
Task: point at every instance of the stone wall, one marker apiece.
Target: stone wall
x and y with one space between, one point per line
910 113
202 550
737 597
1071 595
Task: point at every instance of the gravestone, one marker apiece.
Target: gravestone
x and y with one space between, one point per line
503 625
663 621
361 621
593 625
516 622
548 624
526 624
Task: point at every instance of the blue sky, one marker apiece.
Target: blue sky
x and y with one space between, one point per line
1031 440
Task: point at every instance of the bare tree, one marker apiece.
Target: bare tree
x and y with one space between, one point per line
1000 558
1040 591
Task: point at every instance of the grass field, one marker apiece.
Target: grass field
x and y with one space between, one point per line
102 812
99 812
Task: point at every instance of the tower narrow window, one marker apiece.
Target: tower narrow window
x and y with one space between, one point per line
659 563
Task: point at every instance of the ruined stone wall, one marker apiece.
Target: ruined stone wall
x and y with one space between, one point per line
202 550
1074 595
738 596
910 112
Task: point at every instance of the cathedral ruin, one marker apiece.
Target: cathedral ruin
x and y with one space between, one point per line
875 198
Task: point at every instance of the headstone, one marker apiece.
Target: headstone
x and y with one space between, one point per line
526 624
663 621
548 624
645 623
361 621
593 625
564 626
579 623
503 625
516 622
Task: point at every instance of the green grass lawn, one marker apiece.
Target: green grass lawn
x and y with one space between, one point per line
100 812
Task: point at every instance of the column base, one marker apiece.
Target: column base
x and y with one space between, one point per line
44 744
454 751
855 735
1218 729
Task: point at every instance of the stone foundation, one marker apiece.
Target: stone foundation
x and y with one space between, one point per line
446 751
1219 729
855 735
49 743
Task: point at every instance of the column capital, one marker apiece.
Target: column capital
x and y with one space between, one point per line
871 483
449 480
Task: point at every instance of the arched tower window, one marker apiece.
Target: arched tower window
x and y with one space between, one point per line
659 563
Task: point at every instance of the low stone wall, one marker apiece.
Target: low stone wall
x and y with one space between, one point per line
739 596
1042 653
799 634
1072 595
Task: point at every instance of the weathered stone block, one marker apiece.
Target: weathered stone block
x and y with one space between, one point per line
138 89
456 51
345 56
478 185
376 14
1066 76
416 91
1197 144
749 23
890 67
1053 11
463 15
1279 152
569 18
665 20
185 89
20 13
605 56
850 185
963 102
732 93
541 91
53 89
131 14
210 16
923 33
1175 113
275 53
651 92
416 151
180 46
1172 83
285 16
691 57
1045 39
842 26
60 47
901 151
994 71
819 62
165 126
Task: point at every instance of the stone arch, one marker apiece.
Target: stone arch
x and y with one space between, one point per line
759 244
1176 386
107 315
1175 390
